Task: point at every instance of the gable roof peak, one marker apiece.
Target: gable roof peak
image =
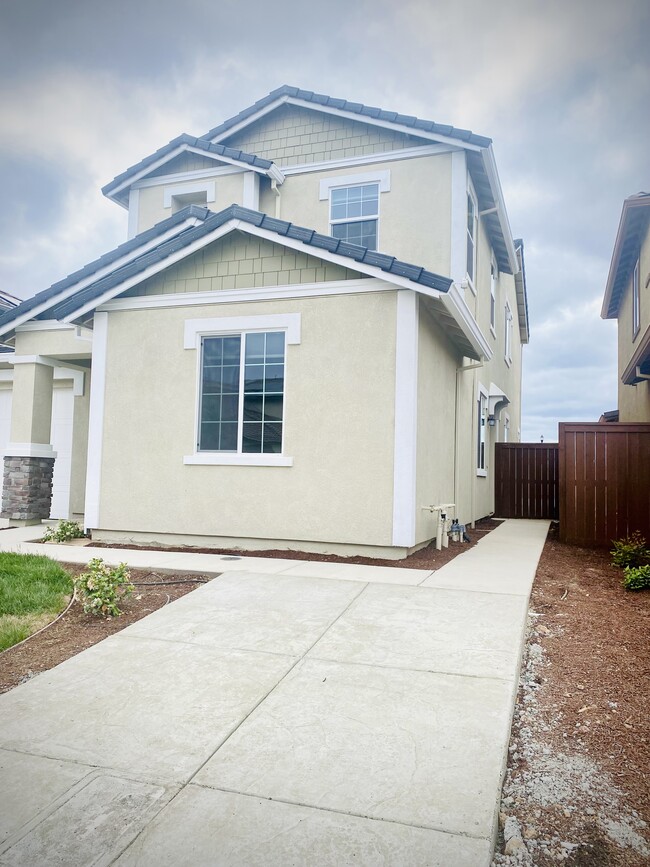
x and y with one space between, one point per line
366 113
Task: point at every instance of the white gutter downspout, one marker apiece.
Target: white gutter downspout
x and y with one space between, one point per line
274 188
461 369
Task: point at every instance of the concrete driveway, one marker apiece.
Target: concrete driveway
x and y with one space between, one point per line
280 719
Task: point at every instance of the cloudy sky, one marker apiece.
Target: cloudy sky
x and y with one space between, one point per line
88 87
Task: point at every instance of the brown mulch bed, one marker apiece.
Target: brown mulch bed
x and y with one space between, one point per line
425 558
578 776
77 631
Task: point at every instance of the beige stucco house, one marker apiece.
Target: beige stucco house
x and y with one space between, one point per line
311 339
627 299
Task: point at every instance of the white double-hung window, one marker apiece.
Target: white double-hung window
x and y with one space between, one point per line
472 233
241 366
242 393
507 337
354 205
354 214
482 420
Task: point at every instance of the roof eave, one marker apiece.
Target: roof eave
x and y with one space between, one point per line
611 305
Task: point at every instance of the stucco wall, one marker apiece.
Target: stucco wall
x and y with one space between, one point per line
229 189
339 422
241 261
414 222
437 362
634 400
292 136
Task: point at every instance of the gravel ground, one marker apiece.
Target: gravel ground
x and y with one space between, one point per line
576 789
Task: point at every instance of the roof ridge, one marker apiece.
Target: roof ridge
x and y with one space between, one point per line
371 112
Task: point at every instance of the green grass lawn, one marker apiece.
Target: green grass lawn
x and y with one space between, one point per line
33 590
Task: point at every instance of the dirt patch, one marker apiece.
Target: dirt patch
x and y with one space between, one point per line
577 787
425 558
77 631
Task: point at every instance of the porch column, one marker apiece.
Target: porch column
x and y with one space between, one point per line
29 457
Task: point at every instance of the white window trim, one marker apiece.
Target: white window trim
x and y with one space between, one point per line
207 187
507 348
506 428
481 391
494 279
195 330
471 282
381 177
636 301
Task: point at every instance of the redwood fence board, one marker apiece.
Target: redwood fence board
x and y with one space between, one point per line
604 482
596 480
526 480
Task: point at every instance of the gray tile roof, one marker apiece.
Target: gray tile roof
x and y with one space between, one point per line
107 259
201 144
212 221
364 111
209 222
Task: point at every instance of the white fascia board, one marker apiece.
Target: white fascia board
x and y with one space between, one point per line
97 275
347 115
369 159
45 325
185 148
455 305
181 177
495 184
264 293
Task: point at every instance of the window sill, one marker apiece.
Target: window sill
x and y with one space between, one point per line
237 460
482 473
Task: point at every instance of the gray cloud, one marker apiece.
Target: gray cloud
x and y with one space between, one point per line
88 88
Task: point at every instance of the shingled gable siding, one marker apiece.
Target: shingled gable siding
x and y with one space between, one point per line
240 262
186 162
292 135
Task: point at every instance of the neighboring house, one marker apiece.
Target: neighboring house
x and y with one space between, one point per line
627 299
312 335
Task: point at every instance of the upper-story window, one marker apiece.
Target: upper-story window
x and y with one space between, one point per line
354 214
636 301
472 232
482 418
494 277
507 333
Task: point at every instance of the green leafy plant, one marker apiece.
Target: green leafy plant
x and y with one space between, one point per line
102 587
630 551
63 532
637 578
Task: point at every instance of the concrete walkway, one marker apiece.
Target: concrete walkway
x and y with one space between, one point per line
286 713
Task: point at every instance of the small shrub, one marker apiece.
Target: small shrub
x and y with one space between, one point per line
637 578
630 551
65 531
101 588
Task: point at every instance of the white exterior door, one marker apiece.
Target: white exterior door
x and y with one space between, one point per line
62 419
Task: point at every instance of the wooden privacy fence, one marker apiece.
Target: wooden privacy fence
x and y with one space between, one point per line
604 482
526 480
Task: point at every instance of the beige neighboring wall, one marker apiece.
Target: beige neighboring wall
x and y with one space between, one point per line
634 400
229 190
414 222
339 429
437 362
